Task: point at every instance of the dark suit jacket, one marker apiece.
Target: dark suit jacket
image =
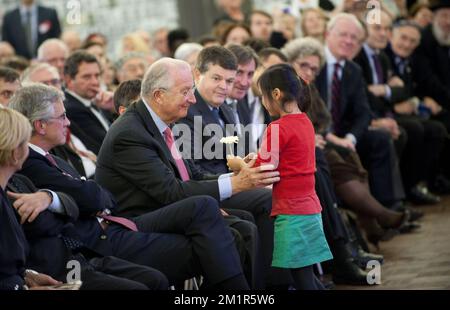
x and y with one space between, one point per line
245 113
71 157
407 76
13 247
379 105
84 124
135 164
48 253
88 195
12 30
355 111
205 155
431 69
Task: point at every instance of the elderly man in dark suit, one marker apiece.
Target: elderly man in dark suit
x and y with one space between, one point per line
185 239
139 163
341 86
27 26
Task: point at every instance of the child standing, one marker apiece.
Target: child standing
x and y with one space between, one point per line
289 144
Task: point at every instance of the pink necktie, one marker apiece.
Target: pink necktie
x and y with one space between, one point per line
51 159
175 154
122 221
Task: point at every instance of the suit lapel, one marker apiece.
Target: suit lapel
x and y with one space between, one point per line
153 130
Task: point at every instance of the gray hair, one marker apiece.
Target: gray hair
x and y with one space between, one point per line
350 17
131 55
304 47
26 75
187 49
36 101
159 75
48 44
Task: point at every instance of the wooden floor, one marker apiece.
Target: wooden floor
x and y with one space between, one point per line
419 260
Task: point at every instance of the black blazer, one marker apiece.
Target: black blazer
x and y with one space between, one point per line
14 247
208 142
89 196
379 105
431 69
12 30
84 124
135 164
355 111
244 112
48 253
406 76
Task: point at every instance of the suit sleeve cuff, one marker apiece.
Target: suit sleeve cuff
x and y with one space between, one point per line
225 189
351 137
55 206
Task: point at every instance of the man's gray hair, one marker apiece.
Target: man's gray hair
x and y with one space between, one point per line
350 17
26 75
48 44
36 101
160 75
131 55
185 50
304 47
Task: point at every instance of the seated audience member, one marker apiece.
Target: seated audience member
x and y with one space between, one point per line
46 240
54 52
313 23
127 93
9 83
182 240
6 50
189 53
88 107
72 40
16 62
235 33
132 66
421 14
73 151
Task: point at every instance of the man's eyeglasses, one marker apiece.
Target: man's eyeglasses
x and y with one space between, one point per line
62 117
307 66
52 82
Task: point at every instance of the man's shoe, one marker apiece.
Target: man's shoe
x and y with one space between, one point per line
420 195
441 185
348 272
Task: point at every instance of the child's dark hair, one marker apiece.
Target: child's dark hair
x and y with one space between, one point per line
293 88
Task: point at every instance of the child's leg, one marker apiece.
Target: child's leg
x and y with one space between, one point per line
305 279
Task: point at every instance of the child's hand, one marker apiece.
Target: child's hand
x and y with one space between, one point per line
235 163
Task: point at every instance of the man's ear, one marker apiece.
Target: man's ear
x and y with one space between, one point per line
197 75
40 127
157 95
68 81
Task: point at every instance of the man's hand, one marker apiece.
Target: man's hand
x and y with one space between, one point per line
29 206
432 105
254 177
343 142
404 108
387 124
38 281
104 100
395 81
320 142
377 90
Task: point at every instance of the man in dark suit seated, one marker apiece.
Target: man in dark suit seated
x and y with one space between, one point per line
46 219
341 86
185 239
27 26
215 73
88 108
140 165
